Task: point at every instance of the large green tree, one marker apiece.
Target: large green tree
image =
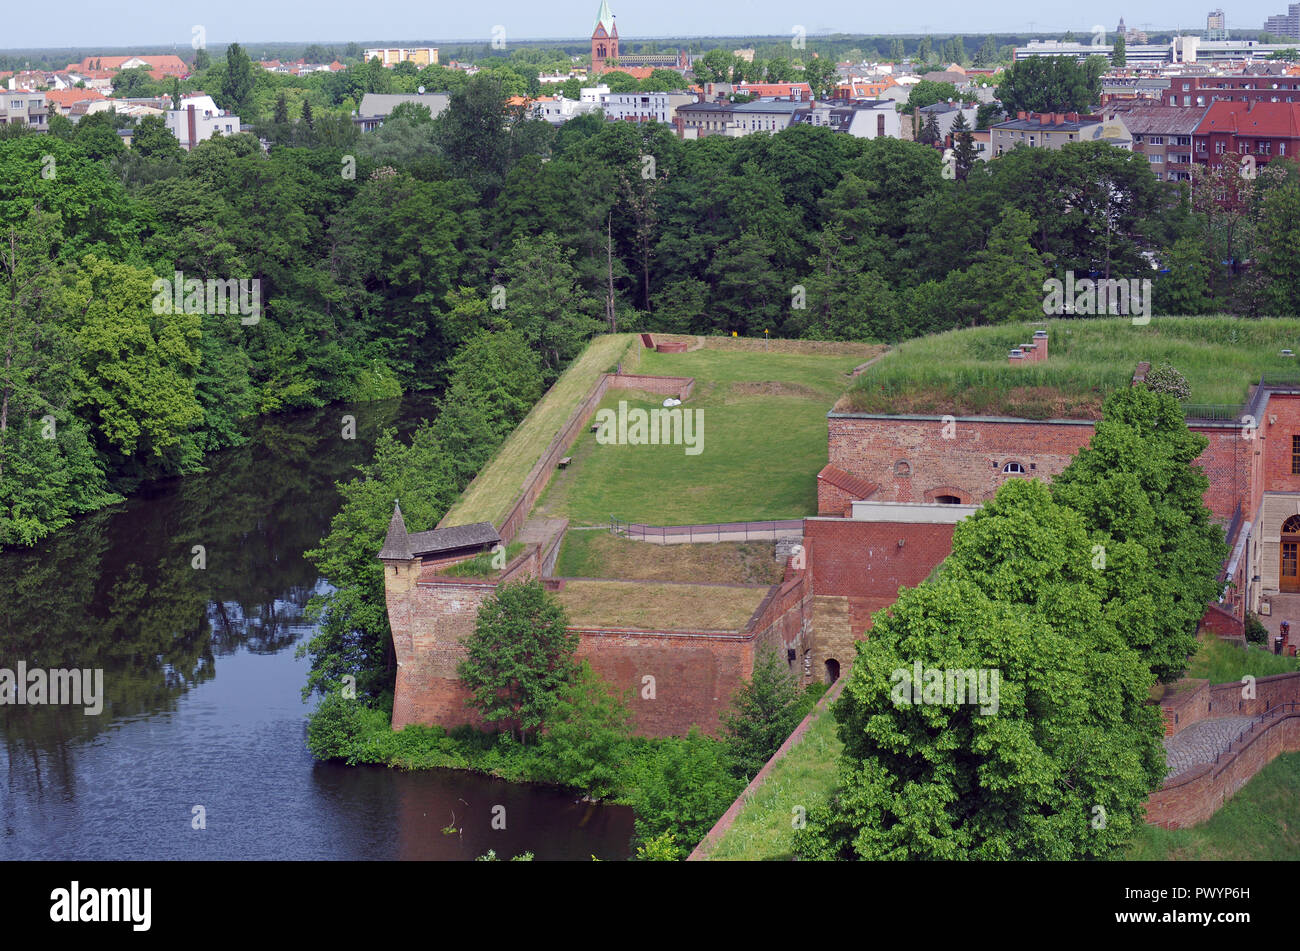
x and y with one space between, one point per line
520 656
1048 754
1137 483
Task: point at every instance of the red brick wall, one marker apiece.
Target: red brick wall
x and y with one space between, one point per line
1197 794
695 673
863 559
1276 460
832 500
972 460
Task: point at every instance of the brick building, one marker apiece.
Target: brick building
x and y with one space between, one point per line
1261 129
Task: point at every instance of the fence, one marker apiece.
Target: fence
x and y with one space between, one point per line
708 532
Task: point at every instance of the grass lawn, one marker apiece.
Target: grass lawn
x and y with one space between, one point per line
803 777
966 371
655 606
598 554
489 497
764 440
1222 662
1260 823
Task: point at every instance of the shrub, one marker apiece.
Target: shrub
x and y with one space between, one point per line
1256 632
1163 378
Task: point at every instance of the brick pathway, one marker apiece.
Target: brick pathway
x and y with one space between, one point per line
1201 742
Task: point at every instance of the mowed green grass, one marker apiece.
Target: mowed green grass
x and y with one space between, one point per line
1261 822
967 372
803 777
764 440
489 497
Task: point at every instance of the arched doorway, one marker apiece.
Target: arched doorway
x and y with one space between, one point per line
832 670
1289 575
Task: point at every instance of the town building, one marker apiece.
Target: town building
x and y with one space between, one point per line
860 118
162 66
23 107
1054 130
1164 134
1181 49
1263 130
606 55
946 113
1245 87
1286 24
375 107
1216 25
198 119
390 56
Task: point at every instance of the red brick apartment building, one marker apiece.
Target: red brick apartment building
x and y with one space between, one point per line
1204 90
1263 129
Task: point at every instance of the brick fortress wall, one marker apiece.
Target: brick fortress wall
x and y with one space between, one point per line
695 673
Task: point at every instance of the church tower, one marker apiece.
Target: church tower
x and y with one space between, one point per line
604 39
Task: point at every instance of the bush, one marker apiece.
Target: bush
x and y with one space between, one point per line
1256 632
1163 378
682 790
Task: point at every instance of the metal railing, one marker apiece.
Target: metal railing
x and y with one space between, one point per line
1285 707
707 532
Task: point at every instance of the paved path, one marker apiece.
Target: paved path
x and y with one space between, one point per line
1201 742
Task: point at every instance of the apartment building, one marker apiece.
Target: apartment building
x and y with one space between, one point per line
1054 130
22 107
390 56
1165 135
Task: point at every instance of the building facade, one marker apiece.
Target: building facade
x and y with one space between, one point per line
20 107
390 56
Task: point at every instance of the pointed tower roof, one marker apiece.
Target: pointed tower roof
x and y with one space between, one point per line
605 19
397 544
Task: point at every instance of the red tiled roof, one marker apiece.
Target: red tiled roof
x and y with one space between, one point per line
1265 118
858 488
66 97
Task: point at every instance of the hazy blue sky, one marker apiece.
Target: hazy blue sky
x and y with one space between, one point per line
154 22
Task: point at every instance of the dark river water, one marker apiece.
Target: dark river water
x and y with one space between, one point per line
202 691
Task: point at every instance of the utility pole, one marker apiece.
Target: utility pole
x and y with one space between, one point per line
609 262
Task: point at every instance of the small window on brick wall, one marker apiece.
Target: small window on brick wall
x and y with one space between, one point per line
1295 455
1013 468
902 469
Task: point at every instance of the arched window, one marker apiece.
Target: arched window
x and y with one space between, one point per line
947 500
1291 526
1013 468
902 469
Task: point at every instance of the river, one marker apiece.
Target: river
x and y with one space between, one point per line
203 722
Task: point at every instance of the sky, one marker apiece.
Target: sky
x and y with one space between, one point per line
83 23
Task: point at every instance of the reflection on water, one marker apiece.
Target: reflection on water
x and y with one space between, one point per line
202 691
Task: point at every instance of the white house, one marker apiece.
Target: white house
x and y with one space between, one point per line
198 119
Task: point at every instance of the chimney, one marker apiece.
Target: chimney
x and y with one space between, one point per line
1060 118
190 114
1040 339
1047 118
1016 356
1022 115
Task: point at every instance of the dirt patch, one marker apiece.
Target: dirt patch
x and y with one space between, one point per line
654 605
774 388
602 555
